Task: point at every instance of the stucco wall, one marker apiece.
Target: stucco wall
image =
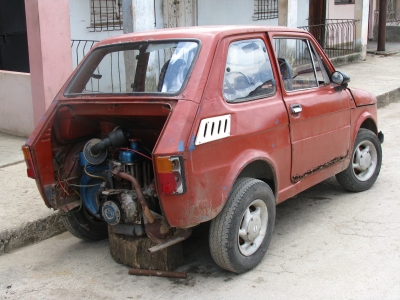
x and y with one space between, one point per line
342 11
16 108
80 23
229 12
302 12
237 12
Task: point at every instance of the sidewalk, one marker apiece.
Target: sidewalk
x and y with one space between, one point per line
378 74
24 217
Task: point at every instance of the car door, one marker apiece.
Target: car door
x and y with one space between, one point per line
319 114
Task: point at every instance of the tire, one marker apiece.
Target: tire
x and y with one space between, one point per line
84 226
251 205
365 163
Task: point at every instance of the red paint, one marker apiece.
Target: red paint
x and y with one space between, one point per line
264 132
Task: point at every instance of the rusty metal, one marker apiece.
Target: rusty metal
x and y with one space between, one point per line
319 168
138 190
158 231
182 275
179 236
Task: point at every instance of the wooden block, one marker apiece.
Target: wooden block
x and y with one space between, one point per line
132 251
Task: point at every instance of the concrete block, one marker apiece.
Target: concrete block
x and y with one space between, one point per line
392 33
132 251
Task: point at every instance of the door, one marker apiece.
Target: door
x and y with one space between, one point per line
13 38
319 115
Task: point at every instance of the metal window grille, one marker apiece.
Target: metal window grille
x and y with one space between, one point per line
344 1
79 49
265 9
105 15
336 36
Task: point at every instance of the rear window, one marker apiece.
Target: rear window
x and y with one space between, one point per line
161 67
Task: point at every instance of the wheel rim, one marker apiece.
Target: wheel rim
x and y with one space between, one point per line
253 227
365 159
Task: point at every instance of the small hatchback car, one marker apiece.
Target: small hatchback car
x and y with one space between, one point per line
159 131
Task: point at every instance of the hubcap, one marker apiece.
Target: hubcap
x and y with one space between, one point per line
253 227
365 159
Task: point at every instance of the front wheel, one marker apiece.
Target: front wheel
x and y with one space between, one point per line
365 163
241 233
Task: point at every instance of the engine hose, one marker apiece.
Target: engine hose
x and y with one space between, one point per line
94 176
142 200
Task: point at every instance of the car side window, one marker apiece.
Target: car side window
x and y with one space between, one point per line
300 66
320 69
248 73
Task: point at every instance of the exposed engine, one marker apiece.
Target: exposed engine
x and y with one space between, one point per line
117 186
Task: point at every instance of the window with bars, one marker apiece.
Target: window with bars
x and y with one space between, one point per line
265 9
344 2
105 15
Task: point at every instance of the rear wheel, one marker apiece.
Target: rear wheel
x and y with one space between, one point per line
241 233
84 226
365 163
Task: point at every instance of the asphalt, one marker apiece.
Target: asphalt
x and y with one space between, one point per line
26 220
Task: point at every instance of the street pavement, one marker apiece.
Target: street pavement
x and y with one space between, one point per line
325 239
327 244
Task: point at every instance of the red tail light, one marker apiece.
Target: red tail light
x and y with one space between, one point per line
30 169
170 175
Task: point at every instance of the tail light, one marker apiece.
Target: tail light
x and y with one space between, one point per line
171 176
30 169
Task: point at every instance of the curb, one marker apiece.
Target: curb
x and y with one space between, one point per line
30 233
388 97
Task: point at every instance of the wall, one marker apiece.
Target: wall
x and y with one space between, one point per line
49 43
16 109
80 23
302 13
229 12
343 11
236 12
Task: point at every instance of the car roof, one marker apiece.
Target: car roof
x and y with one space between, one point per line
195 32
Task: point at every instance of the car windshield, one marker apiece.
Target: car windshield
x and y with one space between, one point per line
135 68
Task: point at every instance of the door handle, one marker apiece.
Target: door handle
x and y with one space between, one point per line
296 108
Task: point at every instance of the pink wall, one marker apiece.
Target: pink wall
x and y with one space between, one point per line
49 42
343 11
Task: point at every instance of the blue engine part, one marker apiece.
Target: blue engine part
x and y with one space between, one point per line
128 156
111 212
91 185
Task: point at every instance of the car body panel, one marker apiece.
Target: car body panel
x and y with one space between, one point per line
295 152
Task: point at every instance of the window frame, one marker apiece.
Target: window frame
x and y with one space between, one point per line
80 70
273 80
107 23
346 2
310 46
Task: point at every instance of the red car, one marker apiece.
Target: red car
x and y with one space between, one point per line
159 131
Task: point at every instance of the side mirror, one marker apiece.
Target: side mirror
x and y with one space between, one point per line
340 78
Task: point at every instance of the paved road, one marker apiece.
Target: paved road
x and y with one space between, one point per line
328 244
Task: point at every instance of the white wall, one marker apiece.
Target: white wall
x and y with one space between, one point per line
80 21
236 12
16 108
302 13
229 12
